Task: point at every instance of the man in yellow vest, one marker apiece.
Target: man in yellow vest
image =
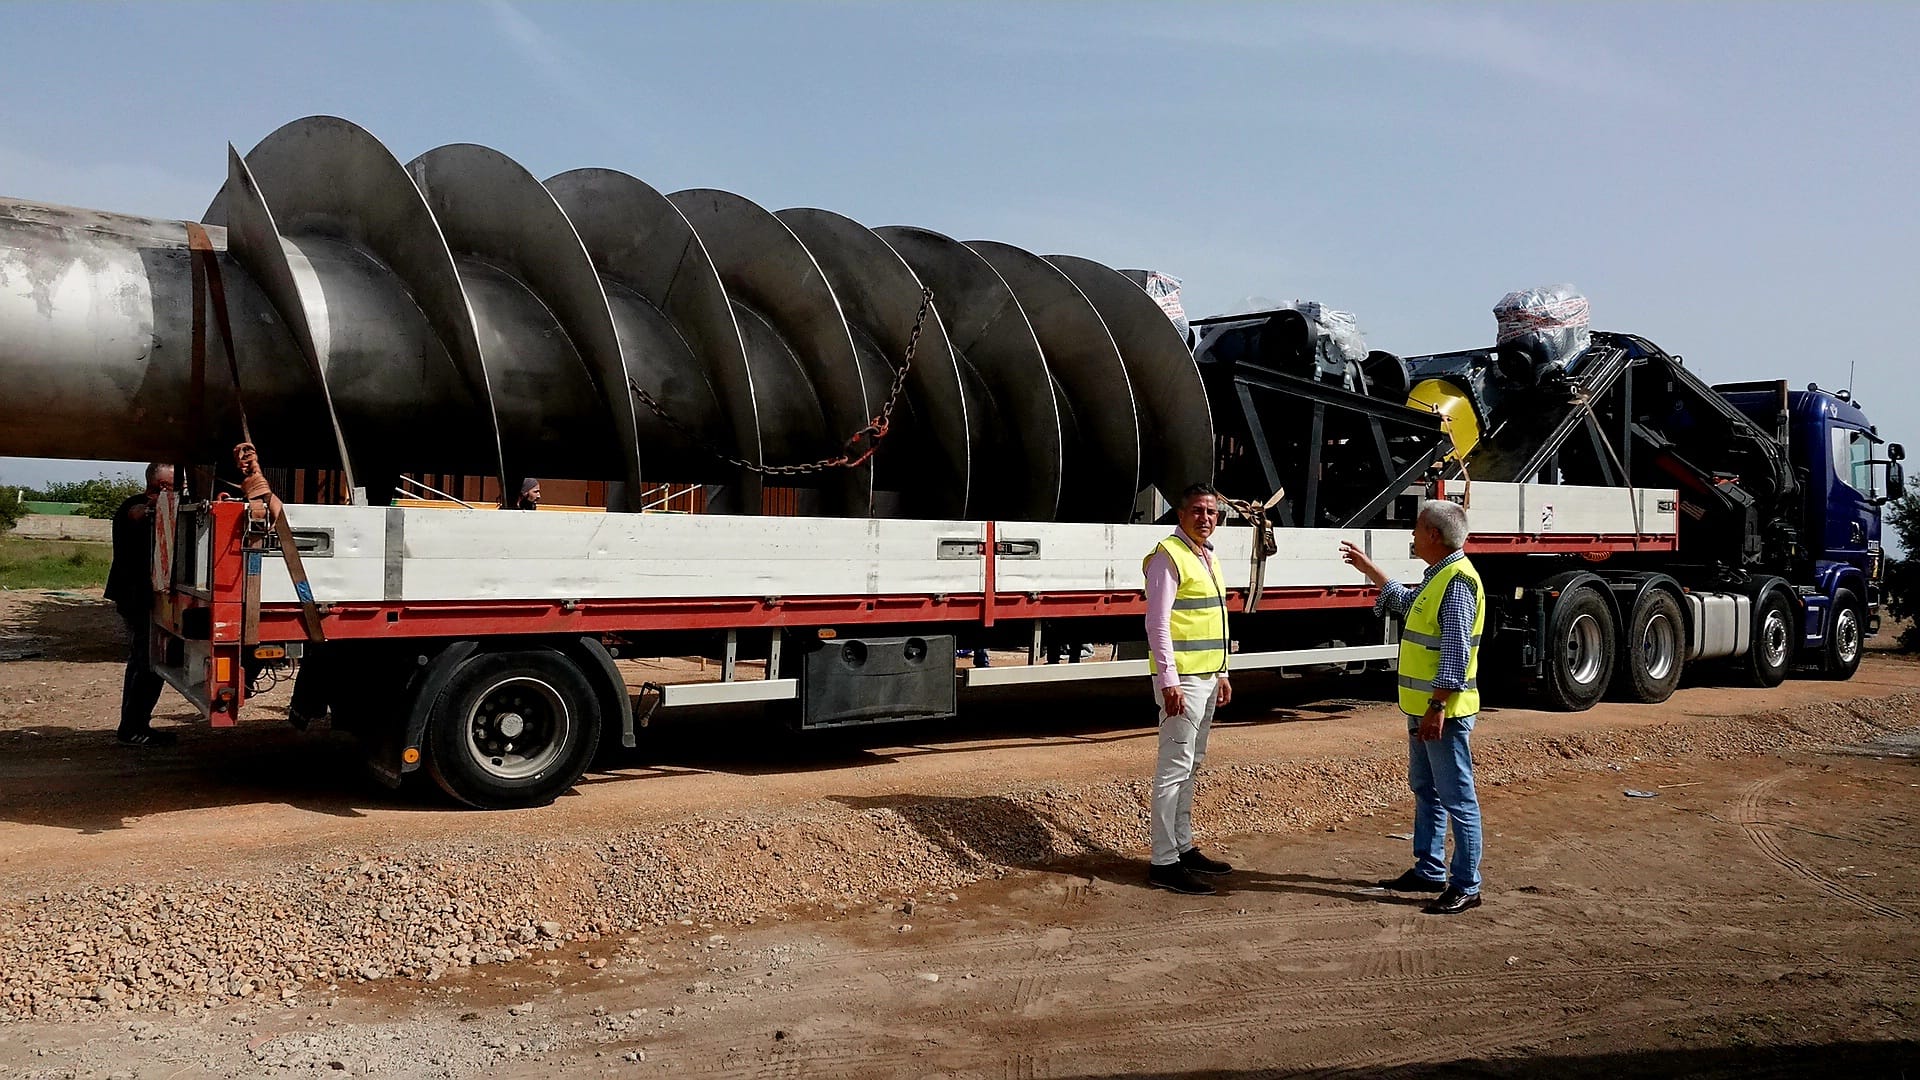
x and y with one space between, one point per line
1187 652
1440 693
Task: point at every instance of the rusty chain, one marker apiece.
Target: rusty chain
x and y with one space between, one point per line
851 454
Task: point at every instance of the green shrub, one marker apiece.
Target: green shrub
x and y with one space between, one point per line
101 496
12 508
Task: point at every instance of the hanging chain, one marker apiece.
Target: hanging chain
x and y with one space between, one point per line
852 453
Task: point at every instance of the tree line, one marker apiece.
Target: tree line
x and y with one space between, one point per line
97 498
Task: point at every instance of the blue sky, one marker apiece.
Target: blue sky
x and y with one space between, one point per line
1735 182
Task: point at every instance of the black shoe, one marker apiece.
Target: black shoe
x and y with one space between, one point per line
1176 878
148 737
1411 881
302 720
1197 863
1453 902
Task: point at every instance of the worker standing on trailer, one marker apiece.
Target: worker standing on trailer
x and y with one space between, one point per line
130 589
1187 651
1439 692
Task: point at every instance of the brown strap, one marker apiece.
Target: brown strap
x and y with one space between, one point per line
209 288
206 275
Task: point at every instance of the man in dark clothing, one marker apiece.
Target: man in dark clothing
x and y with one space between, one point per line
130 589
529 495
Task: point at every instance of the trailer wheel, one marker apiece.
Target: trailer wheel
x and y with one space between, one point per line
1846 638
1772 651
513 730
1580 651
1652 651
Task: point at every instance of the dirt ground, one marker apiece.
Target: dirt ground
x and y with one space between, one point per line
965 899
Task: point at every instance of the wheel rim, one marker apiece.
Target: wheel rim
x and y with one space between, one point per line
1659 646
1773 638
1846 635
518 728
1583 649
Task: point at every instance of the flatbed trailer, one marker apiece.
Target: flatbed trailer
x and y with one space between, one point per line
855 618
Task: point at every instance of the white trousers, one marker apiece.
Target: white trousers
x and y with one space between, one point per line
1183 745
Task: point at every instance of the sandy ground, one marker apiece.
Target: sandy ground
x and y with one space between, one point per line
968 898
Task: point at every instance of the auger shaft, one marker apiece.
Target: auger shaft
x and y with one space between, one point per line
454 314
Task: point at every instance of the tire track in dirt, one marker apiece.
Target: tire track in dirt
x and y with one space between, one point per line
1406 950
834 1060
1035 976
1322 1005
978 952
1024 1066
1319 1011
1398 952
1581 848
1746 813
1253 938
1482 1041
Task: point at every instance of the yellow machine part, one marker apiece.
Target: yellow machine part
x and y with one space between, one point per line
1456 413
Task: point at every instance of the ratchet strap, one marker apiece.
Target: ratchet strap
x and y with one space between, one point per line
262 503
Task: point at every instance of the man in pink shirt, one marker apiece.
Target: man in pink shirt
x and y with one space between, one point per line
1187 640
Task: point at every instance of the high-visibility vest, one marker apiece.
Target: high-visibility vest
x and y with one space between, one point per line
1199 622
1420 644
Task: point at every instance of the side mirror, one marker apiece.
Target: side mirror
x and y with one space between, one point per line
1896 452
1896 474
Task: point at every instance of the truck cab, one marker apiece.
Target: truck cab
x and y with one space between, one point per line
1846 473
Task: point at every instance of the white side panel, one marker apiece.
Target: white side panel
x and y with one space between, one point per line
453 555
1544 509
1496 508
356 569
1312 556
489 554
1108 557
1660 510
501 555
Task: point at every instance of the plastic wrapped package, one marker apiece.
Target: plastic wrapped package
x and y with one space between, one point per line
1340 349
1165 290
1540 332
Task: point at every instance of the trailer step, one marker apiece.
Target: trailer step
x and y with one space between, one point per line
726 693
1111 669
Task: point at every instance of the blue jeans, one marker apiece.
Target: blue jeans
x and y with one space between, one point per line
1441 775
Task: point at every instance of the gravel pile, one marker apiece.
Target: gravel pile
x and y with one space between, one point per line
419 912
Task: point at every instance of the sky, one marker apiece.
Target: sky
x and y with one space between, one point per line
1734 182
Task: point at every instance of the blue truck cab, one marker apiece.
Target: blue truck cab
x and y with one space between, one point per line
1845 473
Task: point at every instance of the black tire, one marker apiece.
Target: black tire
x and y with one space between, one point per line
1580 651
1846 637
513 730
1771 653
1653 649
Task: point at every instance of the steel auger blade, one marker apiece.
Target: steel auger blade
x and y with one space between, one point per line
664 288
254 240
880 295
1103 471
1177 424
791 319
986 326
497 213
403 349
